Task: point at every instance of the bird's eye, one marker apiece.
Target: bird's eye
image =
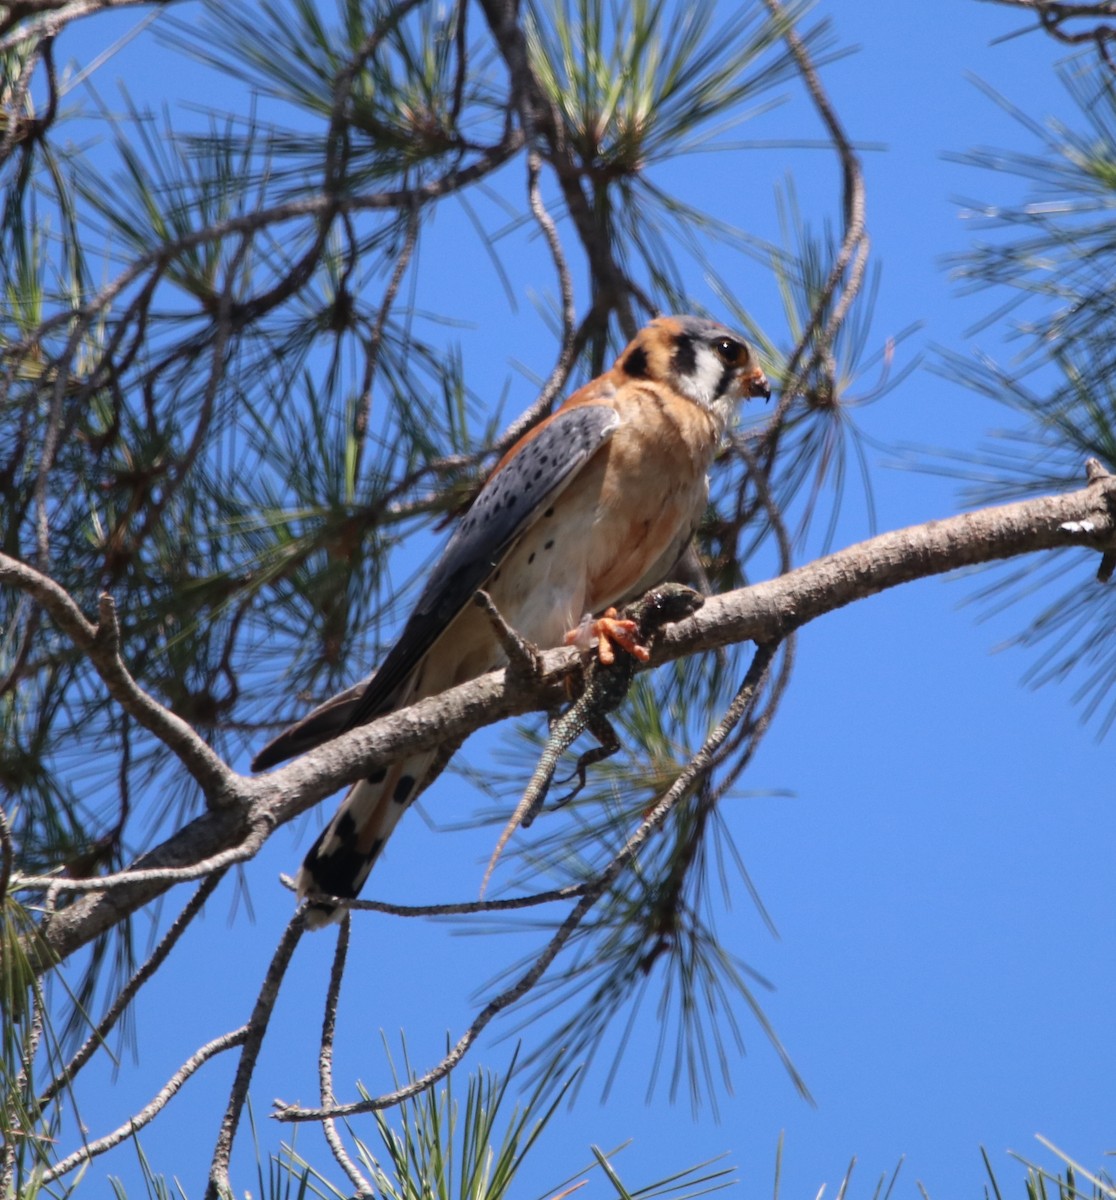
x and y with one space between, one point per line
728 351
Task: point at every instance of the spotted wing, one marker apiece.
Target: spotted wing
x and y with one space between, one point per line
515 496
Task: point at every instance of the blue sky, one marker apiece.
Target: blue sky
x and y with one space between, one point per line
940 875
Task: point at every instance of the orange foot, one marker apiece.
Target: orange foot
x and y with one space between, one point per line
608 629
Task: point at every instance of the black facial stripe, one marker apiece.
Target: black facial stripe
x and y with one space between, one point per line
635 364
685 356
726 378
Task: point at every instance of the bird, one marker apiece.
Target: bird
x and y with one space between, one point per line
590 508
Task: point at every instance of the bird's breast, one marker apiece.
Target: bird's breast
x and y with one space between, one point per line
617 528
650 488
653 490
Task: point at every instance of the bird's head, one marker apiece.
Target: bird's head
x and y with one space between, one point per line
701 359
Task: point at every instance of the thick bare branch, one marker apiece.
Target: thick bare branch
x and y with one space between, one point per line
763 613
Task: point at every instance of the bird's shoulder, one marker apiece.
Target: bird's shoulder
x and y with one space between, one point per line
599 393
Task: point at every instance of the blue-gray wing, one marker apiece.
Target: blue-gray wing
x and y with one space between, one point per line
321 724
508 504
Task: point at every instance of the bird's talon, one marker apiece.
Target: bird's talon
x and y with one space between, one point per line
624 633
610 630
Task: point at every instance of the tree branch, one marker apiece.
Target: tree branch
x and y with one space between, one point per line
66 1076
364 1190
594 890
814 344
763 613
51 16
612 289
150 1111
486 160
101 644
220 1186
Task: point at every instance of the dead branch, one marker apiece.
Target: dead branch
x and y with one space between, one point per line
33 20
101 644
852 256
567 353
364 1190
66 1076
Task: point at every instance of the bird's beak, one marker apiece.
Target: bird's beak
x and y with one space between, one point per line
757 384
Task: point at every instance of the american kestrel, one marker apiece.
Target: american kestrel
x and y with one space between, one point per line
591 508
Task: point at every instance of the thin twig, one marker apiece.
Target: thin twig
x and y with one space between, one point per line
854 243
219 1185
217 359
463 908
325 1063
6 856
96 1039
145 1115
524 660
20 1086
567 351
461 48
612 288
752 732
1050 16
51 17
243 851
375 342
594 889
758 475
557 380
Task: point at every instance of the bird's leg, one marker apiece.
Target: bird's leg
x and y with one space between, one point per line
524 658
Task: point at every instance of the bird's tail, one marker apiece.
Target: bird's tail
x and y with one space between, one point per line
346 850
